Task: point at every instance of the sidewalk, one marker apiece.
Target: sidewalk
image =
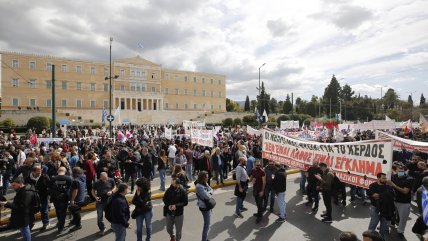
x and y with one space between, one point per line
156 195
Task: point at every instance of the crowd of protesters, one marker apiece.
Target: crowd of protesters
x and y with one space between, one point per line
79 170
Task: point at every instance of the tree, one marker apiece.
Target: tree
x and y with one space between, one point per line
410 100
332 93
253 105
8 122
346 93
390 98
287 105
228 122
247 104
273 105
422 101
237 121
263 100
38 123
231 106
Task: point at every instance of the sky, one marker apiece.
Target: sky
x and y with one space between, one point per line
369 45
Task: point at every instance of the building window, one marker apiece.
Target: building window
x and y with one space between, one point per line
219 107
64 84
105 72
194 106
194 79
132 73
15 82
185 106
79 86
15 64
15 102
105 104
92 86
212 93
194 92
167 76
64 103
78 69
212 81
153 89
203 80
49 66
48 103
32 84
176 91
154 76
203 92
64 68
175 77
219 81
185 78
176 106
105 87
219 94
32 65
79 104
185 91
93 103
144 76
166 91
212 107
48 84
132 86
122 72
32 102
122 88
92 70
166 105
143 87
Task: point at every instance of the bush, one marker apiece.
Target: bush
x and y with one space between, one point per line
227 122
272 119
8 122
249 119
237 121
39 123
282 118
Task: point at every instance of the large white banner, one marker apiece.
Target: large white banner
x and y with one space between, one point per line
399 143
252 131
202 137
355 163
193 124
289 125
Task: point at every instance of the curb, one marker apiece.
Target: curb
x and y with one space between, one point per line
91 206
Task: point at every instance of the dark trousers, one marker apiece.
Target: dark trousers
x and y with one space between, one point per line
269 197
340 191
313 195
259 203
76 215
326 196
133 176
61 212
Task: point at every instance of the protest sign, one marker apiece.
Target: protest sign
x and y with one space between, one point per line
356 163
168 133
399 143
202 137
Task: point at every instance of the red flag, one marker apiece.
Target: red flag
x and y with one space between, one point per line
33 139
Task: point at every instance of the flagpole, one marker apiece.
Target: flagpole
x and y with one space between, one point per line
110 127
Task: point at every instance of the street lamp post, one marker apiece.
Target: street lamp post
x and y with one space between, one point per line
260 88
110 93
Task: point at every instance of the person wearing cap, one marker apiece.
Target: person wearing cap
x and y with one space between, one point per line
22 214
59 192
41 182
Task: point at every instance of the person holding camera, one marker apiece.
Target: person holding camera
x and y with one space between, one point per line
143 211
204 193
175 199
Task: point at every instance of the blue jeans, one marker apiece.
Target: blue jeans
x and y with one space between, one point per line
119 231
281 204
239 205
207 218
26 233
375 219
100 215
302 181
147 217
61 213
162 178
44 211
189 168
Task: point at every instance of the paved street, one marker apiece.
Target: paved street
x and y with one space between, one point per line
301 224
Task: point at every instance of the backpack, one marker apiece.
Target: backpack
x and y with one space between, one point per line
35 202
108 210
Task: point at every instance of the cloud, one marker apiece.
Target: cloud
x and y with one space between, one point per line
278 28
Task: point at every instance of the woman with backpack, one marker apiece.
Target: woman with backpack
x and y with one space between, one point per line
143 211
204 193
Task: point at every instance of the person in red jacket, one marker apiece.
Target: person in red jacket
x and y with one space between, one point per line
88 167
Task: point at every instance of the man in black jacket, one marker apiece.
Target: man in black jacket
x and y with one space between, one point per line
279 185
41 183
120 212
22 214
175 199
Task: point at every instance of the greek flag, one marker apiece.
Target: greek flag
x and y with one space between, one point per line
104 115
425 205
258 117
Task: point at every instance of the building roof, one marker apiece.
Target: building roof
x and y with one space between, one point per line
137 60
